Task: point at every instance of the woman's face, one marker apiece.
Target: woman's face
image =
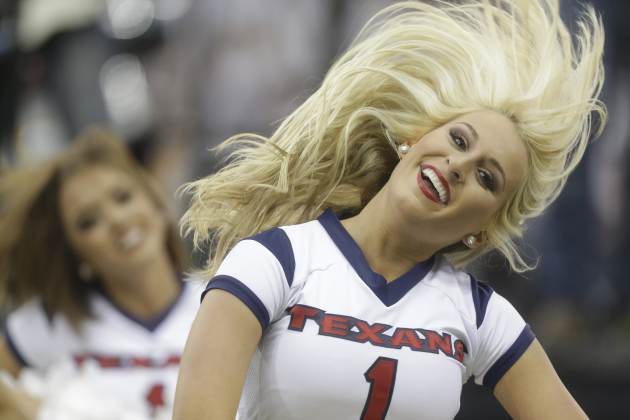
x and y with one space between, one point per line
456 177
111 221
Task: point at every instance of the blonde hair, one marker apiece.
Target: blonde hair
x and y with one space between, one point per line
36 258
414 67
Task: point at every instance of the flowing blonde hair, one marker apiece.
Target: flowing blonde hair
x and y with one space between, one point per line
414 67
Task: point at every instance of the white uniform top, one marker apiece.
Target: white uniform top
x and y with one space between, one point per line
339 342
139 359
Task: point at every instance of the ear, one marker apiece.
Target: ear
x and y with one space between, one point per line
402 149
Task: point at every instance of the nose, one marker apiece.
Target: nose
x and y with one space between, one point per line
117 217
457 169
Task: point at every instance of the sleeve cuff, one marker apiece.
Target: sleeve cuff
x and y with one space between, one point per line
507 360
243 293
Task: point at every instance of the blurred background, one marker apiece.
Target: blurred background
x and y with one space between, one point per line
175 78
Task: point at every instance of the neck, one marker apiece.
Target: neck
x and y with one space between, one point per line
389 247
146 292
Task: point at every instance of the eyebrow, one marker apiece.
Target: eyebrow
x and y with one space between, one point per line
472 130
492 161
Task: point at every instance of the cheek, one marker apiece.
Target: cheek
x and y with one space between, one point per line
154 217
88 246
162 226
481 209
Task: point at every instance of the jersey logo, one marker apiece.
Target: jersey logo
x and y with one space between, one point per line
110 362
360 331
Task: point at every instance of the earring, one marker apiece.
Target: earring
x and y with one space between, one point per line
470 241
85 272
403 149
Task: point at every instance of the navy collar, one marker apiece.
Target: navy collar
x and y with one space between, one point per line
149 324
388 293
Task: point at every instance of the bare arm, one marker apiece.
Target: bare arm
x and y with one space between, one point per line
220 346
531 389
14 403
8 362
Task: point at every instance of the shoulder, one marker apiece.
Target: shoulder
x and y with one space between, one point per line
285 244
33 307
37 337
277 243
470 295
192 287
262 270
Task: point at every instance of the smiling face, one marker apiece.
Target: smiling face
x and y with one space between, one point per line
456 177
111 221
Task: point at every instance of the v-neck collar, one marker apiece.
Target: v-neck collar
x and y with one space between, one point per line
388 292
149 324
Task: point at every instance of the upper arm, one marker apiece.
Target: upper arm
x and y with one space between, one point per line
8 362
14 402
531 389
249 290
221 343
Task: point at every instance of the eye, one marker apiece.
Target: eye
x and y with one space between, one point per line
85 223
122 195
487 180
459 139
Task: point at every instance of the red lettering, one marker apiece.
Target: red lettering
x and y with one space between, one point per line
173 360
141 362
437 342
407 337
343 326
79 359
370 333
108 361
299 315
460 349
335 325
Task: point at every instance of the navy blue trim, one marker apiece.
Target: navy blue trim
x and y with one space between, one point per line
244 293
13 348
481 293
505 362
278 243
388 292
149 324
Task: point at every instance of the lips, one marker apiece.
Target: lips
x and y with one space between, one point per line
131 238
433 184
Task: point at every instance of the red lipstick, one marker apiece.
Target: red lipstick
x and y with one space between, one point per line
427 188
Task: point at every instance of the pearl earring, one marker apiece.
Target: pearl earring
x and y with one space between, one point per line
403 149
470 241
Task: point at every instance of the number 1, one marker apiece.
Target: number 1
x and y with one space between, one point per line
155 397
382 378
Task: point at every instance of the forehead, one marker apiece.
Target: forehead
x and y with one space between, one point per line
498 136
87 186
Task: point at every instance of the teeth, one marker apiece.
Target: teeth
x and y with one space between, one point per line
131 238
435 180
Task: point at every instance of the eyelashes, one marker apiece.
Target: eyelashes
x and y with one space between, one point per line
122 196
487 180
484 176
85 223
459 139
